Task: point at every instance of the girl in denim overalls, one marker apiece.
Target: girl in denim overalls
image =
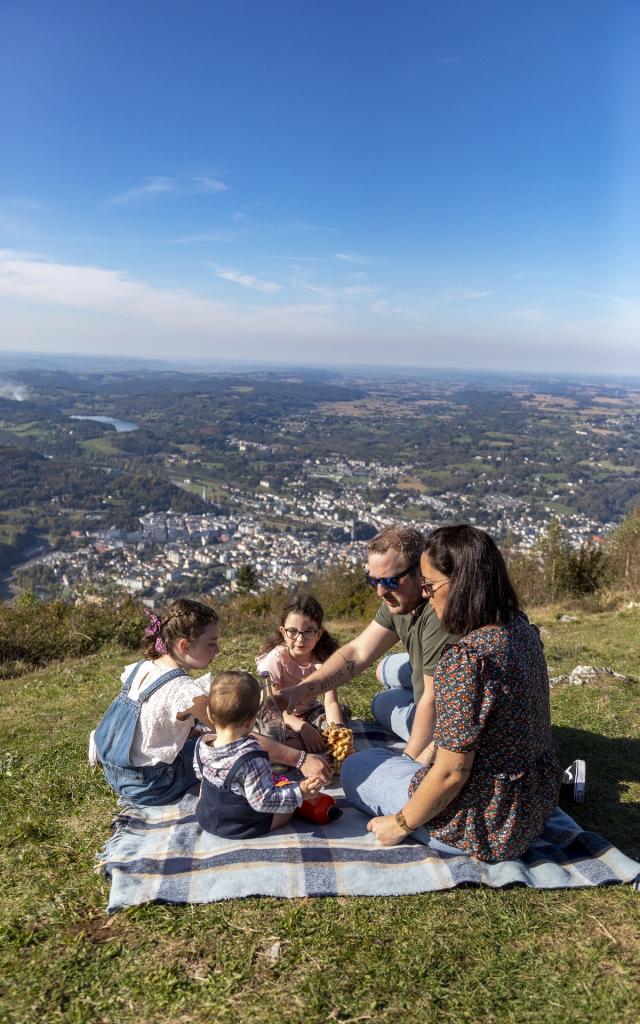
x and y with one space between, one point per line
144 741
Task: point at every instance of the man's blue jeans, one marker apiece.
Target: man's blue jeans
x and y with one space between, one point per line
376 781
394 707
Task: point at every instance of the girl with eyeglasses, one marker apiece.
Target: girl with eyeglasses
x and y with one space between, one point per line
299 647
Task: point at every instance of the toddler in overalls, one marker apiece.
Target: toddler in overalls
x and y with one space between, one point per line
238 798
145 742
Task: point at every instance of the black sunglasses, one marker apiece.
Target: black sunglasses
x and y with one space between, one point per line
389 582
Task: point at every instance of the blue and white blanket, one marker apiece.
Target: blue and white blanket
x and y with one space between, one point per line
161 853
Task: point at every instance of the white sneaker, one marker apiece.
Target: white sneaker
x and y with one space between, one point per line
94 760
574 781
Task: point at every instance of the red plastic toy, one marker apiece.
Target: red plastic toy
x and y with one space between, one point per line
320 810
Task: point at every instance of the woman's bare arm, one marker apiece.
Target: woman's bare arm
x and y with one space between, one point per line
443 781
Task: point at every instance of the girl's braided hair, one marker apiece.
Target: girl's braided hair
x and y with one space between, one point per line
183 618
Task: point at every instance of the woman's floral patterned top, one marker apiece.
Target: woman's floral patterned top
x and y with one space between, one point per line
492 696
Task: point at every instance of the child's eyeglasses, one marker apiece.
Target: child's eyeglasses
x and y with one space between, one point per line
428 589
306 634
389 582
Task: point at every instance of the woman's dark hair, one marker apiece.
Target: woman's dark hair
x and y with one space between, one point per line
304 604
480 591
183 618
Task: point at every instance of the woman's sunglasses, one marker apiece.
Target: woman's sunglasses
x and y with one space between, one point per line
428 589
389 582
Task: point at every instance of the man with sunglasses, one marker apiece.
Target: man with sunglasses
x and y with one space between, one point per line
405 705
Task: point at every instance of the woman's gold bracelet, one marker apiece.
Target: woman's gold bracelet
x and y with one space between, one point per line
402 822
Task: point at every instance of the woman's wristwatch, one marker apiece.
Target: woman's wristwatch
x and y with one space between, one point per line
402 822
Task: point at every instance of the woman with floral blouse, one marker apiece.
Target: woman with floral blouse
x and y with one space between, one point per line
491 778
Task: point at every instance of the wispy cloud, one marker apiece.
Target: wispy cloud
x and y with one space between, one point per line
203 236
383 307
523 273
531 315
153 188
315 289
616 300
207 184
360 289
459 295
18 215
248 280
303 225
70 307
353 257
19 203
105 293
302 259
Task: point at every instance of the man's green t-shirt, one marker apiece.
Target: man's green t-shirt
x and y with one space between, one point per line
423 636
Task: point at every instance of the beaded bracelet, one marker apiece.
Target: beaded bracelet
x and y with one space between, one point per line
301 759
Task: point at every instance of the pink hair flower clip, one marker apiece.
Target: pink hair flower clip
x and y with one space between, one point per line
155 629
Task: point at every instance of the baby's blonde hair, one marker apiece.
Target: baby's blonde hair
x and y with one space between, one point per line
234 697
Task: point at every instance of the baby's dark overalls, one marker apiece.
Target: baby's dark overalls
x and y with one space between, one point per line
228 814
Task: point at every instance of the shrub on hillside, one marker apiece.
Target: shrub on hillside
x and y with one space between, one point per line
554 570
344 593
34 632
251 613
625 551
341 590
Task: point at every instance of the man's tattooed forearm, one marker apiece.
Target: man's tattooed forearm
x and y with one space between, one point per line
335 679
350 664
311 689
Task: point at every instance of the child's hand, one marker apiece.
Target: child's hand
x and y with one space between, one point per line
315 765
312 738
199 709
311 785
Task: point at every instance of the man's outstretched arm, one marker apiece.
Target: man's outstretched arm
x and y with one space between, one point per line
349 661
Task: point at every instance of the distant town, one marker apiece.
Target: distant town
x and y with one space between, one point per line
158 485
284 537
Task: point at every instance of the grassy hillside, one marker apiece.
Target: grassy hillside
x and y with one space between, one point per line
465 955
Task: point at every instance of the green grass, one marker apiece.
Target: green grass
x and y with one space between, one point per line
461 956
100 445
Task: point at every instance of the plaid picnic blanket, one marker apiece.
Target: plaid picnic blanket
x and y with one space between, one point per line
161 853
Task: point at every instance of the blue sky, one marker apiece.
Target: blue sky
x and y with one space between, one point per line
423 183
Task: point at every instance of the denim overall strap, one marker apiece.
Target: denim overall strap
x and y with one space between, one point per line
243 759
151 689
126 686
114 735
